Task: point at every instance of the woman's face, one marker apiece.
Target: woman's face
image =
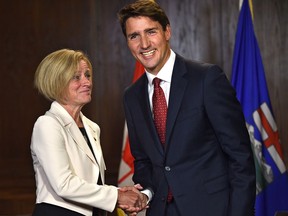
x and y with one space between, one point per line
80 87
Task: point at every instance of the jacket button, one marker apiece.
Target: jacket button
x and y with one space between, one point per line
167 168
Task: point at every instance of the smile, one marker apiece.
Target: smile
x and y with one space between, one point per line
146 54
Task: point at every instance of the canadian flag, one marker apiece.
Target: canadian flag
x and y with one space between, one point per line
126 169
126 165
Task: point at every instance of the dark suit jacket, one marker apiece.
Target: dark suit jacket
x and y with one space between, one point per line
208 161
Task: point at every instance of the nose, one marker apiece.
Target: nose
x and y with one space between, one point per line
145 42
86 80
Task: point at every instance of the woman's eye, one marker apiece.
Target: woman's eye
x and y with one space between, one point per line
76 77
88 75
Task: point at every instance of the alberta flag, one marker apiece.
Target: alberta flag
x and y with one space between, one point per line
248 79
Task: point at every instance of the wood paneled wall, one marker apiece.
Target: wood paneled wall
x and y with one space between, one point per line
202 30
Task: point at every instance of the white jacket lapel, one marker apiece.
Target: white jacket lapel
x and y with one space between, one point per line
58 112
93 132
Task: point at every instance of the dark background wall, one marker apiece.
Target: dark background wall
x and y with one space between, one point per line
203 30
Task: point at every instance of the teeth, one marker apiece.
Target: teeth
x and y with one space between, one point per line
148 53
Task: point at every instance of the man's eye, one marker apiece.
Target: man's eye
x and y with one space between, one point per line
132 37
151 32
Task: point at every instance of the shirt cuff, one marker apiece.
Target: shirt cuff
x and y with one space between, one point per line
148 193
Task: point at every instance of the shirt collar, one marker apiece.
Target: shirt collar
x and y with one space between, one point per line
165 73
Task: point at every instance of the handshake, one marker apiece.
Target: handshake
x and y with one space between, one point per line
131 200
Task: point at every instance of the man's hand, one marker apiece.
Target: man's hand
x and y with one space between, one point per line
131 200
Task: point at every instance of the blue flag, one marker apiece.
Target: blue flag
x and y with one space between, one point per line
248 79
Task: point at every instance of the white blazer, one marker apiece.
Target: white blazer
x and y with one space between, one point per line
66 171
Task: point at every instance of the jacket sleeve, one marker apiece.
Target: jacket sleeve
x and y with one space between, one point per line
225 114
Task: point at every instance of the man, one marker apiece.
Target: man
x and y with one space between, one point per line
201 162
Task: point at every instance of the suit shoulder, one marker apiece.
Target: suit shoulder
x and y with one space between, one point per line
137 84
46 122
195 70
200 66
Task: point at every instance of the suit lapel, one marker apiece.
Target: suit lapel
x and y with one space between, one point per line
177 90
95 143
80 140
143 99
58 112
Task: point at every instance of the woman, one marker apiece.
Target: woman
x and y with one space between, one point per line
65 147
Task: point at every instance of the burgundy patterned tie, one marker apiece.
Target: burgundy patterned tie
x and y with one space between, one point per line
160 115
159 110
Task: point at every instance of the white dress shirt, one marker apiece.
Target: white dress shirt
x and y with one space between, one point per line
165 74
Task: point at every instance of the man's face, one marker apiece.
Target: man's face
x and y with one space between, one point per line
148 43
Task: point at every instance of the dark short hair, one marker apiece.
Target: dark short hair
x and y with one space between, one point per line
146 8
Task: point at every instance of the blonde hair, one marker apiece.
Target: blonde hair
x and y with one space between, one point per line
55 72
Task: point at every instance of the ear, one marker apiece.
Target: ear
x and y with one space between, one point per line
168 32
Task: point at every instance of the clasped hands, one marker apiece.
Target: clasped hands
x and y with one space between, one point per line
131 200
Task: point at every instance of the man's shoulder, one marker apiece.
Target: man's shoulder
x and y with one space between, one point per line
142 80
192 63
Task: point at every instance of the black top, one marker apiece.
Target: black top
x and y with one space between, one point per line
83 131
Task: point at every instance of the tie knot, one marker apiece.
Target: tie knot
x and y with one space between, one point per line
156 81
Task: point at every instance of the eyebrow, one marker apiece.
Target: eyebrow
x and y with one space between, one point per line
88 70
145 30
132 34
